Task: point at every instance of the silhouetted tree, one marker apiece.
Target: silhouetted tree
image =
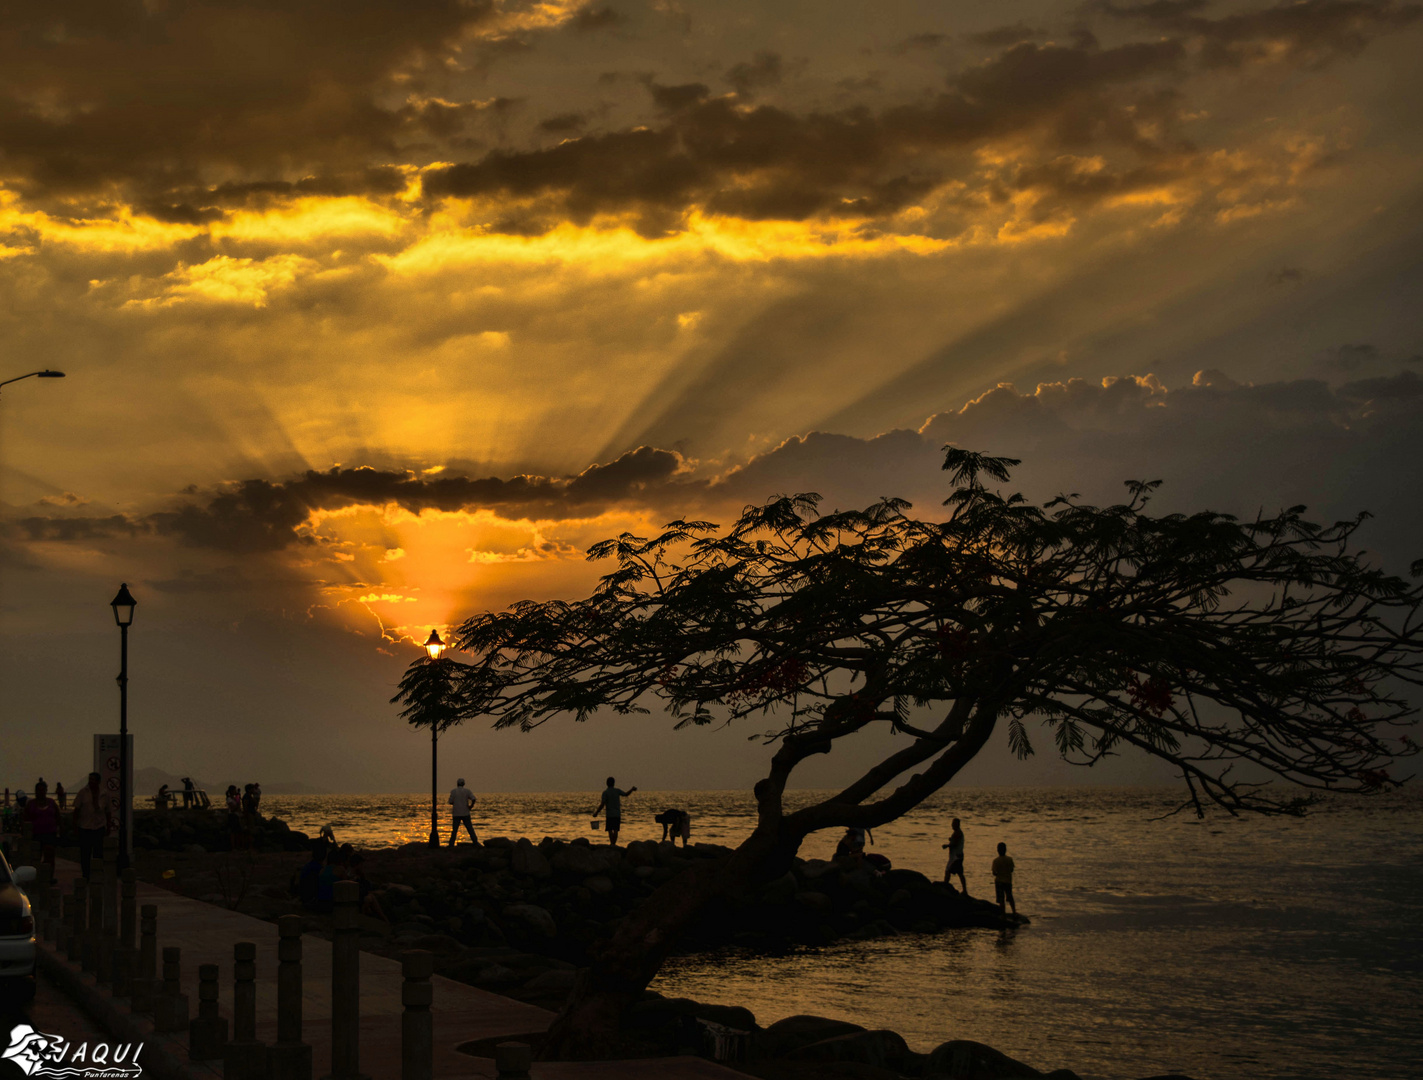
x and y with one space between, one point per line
432 692
1202 640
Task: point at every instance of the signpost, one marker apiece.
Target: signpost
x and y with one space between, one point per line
107 765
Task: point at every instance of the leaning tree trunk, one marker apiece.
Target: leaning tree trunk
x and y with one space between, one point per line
589 1026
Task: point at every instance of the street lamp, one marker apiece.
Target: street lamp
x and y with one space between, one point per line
46 374
434 646
123 605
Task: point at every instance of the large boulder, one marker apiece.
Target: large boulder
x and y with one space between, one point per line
527 861
582 862
532 917
883 1049
960 1059
788 1035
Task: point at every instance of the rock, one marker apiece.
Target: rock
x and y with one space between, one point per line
640 853
555 980
817 901
533 917
883 1049
644 872
780 891
815 868
961 1059
195 849
528 861
598 884
439 944
396 889
583 861
785 1036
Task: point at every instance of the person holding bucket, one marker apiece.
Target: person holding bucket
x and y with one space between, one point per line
612 802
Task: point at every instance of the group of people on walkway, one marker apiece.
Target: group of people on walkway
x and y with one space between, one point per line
61 797
93 818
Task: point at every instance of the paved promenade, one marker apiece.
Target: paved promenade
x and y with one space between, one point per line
461 1013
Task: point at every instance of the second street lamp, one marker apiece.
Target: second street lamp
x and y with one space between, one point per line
434 646
123 605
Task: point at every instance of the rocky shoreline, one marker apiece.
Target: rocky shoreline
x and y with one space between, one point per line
518 918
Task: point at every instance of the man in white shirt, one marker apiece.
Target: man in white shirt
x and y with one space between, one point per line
462 800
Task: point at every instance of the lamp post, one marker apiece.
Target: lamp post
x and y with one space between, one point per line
434 646
123 605
46 374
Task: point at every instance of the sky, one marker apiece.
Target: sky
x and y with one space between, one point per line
376 315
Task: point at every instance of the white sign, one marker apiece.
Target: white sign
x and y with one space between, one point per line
106 764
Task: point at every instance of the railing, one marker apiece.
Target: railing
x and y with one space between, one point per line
99 925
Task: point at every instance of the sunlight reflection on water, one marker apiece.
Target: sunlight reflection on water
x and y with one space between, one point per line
1254 947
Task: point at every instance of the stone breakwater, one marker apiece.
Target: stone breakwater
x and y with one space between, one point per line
556 898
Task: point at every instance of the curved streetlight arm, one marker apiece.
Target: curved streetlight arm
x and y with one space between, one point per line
45 374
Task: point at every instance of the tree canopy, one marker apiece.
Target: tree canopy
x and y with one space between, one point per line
1201 639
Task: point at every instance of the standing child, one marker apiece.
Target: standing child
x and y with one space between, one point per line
1003 878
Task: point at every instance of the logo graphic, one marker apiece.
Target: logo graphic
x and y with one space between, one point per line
38 1054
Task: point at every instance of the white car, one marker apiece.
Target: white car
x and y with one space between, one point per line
17 931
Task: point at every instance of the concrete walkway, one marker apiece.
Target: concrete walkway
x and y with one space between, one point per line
461 1013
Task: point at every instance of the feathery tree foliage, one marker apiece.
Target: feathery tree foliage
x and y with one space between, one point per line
1200 639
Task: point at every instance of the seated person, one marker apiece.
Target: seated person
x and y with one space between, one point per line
369 904
306 882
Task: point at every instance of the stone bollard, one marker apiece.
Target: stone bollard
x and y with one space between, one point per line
417 1025
513 1060
244 1058
78 908
143 994
53 899
170 1011
66 925
93 918
125 958
346 983
108 913
289 1058
207 1034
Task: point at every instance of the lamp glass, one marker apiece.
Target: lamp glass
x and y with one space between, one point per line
433 645
123 605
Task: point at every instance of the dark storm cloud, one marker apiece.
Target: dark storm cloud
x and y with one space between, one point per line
99 92
762 70
262 515
1005 35
770 163
1310 31
595 17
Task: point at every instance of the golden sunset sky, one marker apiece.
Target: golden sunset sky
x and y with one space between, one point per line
376 314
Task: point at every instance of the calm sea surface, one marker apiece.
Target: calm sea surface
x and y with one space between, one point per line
1257 948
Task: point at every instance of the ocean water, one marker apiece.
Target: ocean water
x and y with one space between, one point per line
1258 948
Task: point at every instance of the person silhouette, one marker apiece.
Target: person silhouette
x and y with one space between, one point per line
612 801
461 801
189 788
1003 878
955 866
